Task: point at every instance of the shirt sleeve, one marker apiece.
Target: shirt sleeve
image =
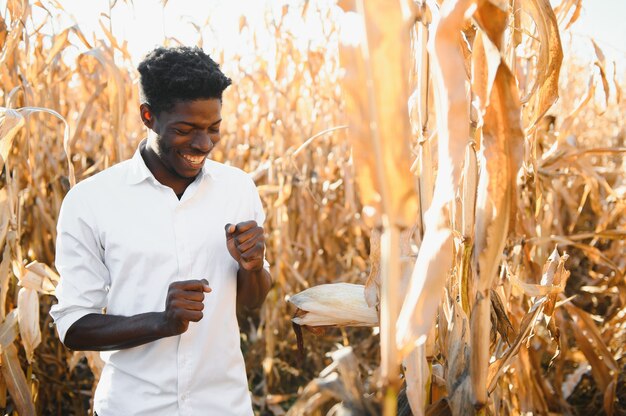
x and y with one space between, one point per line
85 279
258 215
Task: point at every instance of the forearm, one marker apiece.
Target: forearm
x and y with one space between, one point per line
101 332
252 287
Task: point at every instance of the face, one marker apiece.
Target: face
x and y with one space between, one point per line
183 136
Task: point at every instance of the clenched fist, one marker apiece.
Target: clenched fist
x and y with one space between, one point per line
246 244
184 304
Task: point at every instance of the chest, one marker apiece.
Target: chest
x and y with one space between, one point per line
150 220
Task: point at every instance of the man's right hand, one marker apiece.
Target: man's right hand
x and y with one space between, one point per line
184 304
103 332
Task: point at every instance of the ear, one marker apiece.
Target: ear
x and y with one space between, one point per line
147 115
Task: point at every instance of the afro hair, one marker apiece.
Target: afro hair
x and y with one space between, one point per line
171 75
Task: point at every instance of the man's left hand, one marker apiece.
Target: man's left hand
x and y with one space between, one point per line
246 244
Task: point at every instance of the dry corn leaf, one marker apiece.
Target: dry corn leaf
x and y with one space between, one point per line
95 363
74 359
416 375
554 275
5 215
457 347
500 156
419 74
375 59
452 101
589 329
372 286
116 94
601 64
84 115
528 322
599 368
3 391
426 171
20 11
28 320
469 188
3 32
433 264
17 384
8 329
60 42
568 122
23 112
610 398
549 58
435 256
81 36
439 408
592 252
563 10
11 121
534 290
339 380
491 16
358 112
503 324
517 11
481 329
5 279
618 87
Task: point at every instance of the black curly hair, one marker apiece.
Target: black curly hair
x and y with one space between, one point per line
171 75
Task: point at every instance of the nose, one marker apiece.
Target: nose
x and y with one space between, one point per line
202 142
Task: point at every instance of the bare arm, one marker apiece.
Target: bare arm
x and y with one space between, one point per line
252 287
246 244
101 332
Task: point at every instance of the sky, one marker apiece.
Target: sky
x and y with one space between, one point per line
145 23
605 22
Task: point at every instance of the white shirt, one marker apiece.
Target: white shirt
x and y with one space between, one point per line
123 237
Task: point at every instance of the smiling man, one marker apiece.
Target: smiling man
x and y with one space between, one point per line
155 252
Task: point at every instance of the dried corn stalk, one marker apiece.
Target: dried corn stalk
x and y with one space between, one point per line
436 252
375 60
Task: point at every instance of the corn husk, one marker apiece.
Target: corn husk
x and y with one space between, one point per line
337 304
39 277
28 320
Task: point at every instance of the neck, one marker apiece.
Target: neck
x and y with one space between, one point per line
161 173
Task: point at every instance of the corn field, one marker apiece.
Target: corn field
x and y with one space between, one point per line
445 192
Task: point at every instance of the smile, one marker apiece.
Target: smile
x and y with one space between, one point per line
194 160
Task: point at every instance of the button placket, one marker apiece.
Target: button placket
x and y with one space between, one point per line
179 245
185 273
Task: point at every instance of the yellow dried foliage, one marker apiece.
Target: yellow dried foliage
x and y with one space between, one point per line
437 117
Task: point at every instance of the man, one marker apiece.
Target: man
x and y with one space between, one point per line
155 252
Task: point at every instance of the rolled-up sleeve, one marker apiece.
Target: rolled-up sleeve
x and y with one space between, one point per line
84 283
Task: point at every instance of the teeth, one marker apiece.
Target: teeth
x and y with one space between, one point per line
195 160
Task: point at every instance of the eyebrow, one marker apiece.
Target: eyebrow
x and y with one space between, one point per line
194 125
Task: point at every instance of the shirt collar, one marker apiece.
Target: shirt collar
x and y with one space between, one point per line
139 171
